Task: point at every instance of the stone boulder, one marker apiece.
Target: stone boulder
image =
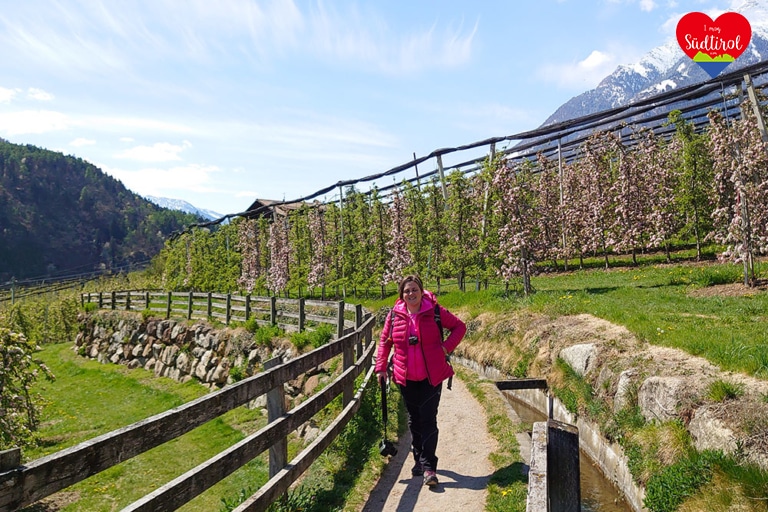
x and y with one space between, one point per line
582 358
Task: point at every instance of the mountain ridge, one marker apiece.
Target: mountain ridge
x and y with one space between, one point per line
661 69
61 216
183 206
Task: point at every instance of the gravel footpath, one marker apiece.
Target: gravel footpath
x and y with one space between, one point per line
463 469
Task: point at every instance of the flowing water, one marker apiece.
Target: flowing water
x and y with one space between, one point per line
598 494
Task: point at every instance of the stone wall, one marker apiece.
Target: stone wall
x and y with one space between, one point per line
173 348
183 350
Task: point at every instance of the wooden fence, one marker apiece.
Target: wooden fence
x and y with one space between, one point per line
23 484
289 314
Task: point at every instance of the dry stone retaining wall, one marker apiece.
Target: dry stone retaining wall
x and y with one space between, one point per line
184 351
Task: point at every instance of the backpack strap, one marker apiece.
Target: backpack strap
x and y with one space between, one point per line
391 322
390 364
439 323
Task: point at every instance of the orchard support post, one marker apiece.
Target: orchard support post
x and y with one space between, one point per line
301 314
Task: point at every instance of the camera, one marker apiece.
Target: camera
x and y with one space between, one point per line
387 447
413 340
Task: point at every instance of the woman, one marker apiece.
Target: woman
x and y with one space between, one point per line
420 365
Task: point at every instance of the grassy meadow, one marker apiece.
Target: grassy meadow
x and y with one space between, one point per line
697 307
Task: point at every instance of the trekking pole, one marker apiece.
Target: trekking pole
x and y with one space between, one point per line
386 447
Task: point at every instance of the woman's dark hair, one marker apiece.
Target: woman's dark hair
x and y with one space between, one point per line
413 278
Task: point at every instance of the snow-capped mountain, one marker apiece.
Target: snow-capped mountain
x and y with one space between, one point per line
662 69
180 204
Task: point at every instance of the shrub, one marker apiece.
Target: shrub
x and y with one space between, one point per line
42 321
251 325
316 338
265 334
239 372
19 408
90 307
322 335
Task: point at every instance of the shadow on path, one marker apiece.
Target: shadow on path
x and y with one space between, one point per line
464 469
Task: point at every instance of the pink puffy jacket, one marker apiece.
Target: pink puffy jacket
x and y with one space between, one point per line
396 335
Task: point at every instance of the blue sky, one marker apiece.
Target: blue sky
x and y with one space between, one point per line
220 102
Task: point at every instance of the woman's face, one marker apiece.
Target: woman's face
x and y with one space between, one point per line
412 294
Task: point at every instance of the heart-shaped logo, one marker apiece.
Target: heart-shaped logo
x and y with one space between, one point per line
713 44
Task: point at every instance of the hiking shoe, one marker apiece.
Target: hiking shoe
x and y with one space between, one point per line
430 478
417 469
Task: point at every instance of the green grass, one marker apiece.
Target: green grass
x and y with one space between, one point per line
88 399
720 390
654 302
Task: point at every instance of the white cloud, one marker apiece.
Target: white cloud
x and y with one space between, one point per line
33 121
139 124
595 60
645 5
108 36
39 94
80 142
158 152
363 38
155 181
585 73
6 95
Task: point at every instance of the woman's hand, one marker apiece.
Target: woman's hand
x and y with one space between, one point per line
382 376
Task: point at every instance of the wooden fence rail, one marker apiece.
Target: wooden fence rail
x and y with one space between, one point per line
291 315
32 481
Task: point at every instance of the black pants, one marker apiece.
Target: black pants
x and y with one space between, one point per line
421 402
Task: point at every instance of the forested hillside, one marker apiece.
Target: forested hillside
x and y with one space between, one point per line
60 215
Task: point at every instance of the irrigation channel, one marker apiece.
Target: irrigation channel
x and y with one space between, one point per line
598 494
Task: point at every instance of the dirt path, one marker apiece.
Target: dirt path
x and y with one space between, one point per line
463 469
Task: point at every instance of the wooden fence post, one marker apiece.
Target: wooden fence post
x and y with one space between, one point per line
348 358
563 467
340 320
128 300
278 452
273 310
146 300
358 323
189 306
247 307
209 308
229 308
113 296
168 306
301 314
101 300
10 459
